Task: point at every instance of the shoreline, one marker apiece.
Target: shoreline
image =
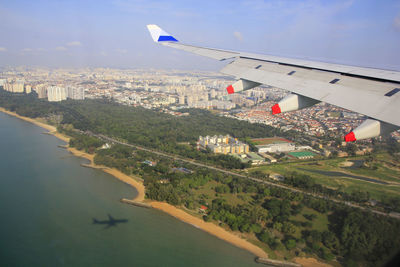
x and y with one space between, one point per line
179 214
209 227
162 206
176 212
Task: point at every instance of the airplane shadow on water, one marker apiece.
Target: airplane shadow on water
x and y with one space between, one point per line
110 222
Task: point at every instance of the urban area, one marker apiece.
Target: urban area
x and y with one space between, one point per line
173 91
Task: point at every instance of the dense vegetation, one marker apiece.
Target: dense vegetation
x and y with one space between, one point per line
284 221
141 126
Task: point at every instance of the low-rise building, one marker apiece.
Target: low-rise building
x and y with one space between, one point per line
223 144
277 147
302 154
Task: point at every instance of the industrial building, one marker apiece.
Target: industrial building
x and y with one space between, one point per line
276 147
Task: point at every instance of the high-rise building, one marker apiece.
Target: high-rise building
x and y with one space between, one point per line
56 94
77 93
18 86
14 86
28 89
41 90
182 100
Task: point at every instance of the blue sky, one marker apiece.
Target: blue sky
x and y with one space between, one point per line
113 33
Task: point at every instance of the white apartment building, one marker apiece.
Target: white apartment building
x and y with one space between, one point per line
56 94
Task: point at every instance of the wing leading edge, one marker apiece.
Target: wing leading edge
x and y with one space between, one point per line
372 92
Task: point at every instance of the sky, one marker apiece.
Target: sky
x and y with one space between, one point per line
78 33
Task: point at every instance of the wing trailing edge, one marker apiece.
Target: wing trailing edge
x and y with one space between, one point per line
369 91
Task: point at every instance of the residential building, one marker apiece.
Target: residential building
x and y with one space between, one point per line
56 93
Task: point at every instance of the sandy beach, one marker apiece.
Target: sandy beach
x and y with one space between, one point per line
176 212
165 207
50 128
114 172
209 228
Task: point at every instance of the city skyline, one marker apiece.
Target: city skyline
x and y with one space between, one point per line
171 91
113 33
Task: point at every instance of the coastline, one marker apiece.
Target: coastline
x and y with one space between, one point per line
162 206
176 212
114 172
209 227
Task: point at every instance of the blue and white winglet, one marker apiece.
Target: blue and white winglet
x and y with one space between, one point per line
162 37
159 35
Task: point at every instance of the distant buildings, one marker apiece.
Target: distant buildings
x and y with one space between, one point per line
14 86
302 154
223 144
76 93
41 90
276 147
56 94
28 89
175 89
255 159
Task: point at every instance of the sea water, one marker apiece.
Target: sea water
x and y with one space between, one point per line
48 203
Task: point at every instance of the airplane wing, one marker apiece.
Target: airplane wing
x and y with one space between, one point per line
372 92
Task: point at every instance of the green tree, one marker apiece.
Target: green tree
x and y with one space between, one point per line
290 244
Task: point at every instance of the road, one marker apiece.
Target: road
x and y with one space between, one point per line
193 162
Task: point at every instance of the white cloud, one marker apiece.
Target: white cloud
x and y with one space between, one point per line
74 43
102 53
121 51
238 35
396 22
27 50
61 48
3 49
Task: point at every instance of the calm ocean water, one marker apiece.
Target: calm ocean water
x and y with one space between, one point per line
48 203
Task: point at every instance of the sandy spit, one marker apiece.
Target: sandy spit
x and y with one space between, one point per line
114 172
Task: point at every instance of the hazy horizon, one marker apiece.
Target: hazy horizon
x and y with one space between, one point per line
113 34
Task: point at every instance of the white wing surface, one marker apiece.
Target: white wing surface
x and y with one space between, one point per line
372 92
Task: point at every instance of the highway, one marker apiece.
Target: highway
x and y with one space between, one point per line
196 163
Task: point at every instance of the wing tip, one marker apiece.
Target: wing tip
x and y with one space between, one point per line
159 35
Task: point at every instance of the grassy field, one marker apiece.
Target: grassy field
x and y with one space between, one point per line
233 199
320 223
377 191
